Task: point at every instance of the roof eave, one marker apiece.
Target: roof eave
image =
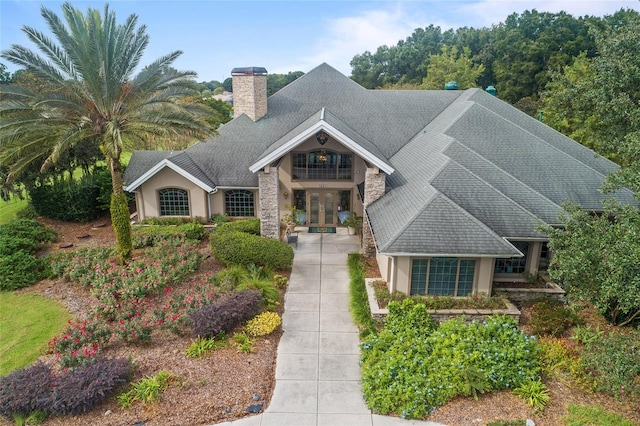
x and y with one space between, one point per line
304 135
161 165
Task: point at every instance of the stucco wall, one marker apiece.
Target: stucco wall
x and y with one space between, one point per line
482 282
147 196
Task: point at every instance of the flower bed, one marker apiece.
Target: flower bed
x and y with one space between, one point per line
441 315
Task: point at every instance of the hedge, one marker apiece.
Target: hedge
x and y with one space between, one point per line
250 226
240 248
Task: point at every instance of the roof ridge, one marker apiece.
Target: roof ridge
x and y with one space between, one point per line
511 200
541 140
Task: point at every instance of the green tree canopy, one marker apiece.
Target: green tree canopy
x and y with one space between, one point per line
597 257
95 96
452 65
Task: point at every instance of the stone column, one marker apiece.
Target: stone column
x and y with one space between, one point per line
374 187
269 214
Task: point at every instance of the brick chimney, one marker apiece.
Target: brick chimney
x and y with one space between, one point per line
249 92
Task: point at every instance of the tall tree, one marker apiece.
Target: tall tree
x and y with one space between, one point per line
597 257
96 97
450 65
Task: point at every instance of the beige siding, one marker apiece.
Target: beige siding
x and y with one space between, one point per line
484 275
147 194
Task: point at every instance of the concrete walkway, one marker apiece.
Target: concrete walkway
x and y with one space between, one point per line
317 368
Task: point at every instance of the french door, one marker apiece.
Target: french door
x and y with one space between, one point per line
321 207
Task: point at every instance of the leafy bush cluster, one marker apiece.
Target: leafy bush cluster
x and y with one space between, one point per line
173 220
232 247
480 301
549 317
19 241
250 226
73 200
413 366
612 361
37 388
263 324
151 235
225 314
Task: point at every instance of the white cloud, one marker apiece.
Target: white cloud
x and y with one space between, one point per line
343 38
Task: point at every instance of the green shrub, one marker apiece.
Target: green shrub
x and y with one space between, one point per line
27 212
560 360
613 362
270 293
263 324
219 218
241 248
243 343
280 281
146 236
250 226
71 200
21 269
535 394
549 317
203 345
358 297
146 390
411 367
25 230
580 415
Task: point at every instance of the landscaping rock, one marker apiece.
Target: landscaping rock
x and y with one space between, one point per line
255 408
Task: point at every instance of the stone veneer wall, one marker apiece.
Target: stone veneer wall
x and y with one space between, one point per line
553 291
269 212
379 315
374 187
250 95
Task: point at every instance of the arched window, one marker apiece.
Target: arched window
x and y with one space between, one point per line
173 202
239 202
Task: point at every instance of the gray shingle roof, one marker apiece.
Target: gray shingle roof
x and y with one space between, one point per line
470 169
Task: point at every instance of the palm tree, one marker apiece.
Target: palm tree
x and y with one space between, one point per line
94 96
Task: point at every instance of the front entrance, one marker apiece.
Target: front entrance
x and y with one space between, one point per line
323 207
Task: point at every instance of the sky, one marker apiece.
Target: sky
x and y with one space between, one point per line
282 36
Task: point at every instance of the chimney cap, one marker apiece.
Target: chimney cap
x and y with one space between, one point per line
249 71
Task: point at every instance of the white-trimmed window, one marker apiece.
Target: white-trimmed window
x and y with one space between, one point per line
239 203
173 202
442 276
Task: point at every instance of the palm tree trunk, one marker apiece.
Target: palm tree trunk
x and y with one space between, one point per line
120 212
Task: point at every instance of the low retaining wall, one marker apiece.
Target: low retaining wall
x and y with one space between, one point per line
441 315
515 294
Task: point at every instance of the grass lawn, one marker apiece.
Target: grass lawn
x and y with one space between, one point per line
27 323
9 209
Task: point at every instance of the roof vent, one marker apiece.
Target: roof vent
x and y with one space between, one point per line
491 90
451 85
